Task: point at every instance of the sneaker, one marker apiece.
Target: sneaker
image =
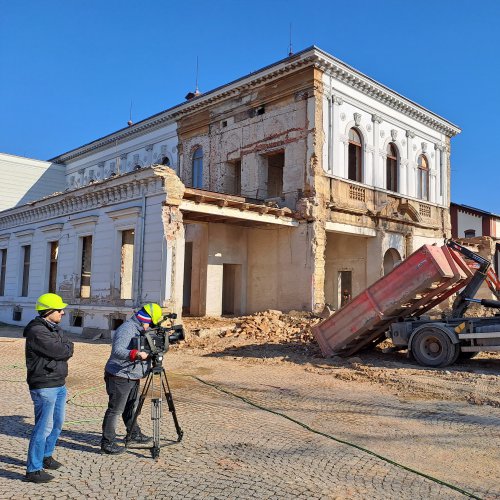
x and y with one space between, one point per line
112 449
51 463
138 438
38 476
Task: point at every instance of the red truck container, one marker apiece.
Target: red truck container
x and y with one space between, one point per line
420 282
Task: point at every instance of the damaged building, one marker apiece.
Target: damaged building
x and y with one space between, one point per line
295 186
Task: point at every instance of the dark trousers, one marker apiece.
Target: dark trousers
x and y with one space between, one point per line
123 395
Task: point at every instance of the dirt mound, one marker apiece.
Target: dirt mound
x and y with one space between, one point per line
266 327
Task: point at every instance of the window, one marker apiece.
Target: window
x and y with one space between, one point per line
423 178
3 269
232 178
165 161
127 264
26 252
355 156
86 266
198 168
470 233
392 168
54 253
275 164
344 287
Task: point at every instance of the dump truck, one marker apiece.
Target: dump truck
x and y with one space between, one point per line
395 307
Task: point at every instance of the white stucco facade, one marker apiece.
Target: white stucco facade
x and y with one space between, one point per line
133 202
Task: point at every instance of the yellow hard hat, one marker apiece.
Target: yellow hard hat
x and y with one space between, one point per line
154 311
49 301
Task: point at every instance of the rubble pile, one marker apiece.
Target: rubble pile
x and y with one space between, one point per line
269 327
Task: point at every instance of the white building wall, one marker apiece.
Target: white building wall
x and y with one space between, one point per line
469 221
123 155
24 179
102 211
379 124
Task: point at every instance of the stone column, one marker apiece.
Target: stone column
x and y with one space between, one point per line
334 161
377 171
410 172
439 170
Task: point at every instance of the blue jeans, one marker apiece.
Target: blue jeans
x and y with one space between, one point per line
49 418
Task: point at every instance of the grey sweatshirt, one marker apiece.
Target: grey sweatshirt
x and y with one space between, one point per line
119 363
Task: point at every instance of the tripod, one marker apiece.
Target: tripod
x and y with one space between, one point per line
157 393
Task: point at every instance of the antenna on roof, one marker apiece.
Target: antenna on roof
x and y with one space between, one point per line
130 122
290 49
196 93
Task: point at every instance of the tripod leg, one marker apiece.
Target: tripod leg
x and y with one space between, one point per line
138 410
171 407
156 418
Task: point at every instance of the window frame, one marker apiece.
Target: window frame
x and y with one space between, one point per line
197 168
423 175
358 153
3 269
392 168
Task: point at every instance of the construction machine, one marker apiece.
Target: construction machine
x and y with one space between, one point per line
395 307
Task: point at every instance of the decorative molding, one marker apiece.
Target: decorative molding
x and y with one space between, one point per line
377 118
382 134
24 233
369 127
149 147
394 134
410 134
124 213
88 219
52 227
424 147
118 189
337 100
343 116
310 57
357 119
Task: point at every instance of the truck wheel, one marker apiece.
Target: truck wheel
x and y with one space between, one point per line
432 347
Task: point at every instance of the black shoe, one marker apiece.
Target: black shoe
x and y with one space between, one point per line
138 438
38 476
51 463
112 449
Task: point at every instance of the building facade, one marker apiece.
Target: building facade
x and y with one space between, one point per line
301 182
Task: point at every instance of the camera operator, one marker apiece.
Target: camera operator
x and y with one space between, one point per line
123 371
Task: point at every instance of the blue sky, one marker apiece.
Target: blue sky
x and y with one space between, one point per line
69 69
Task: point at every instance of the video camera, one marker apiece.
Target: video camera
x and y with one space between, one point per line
156 341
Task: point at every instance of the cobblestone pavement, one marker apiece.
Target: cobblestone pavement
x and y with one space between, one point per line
231 447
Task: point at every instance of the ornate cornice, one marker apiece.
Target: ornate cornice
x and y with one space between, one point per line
313 57
126 187
356 80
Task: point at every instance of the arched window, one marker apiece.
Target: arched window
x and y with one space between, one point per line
391 260
392 168
355 164
470 233
165 161
423 178
198 168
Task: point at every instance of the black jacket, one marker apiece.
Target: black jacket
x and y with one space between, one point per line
47 354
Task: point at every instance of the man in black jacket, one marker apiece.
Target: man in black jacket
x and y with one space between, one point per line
47 354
